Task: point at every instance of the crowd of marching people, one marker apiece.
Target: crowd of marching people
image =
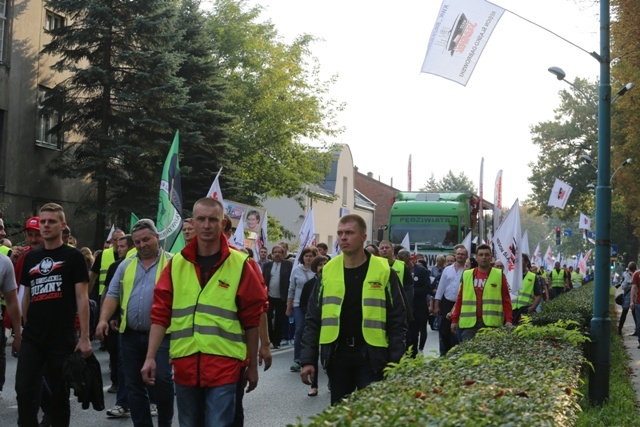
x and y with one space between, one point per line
192 328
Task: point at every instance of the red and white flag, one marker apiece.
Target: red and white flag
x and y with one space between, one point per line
461 32
559 194
585 222
215 191
537 256
508 246
582 265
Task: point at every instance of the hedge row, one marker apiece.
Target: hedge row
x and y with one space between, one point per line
524 376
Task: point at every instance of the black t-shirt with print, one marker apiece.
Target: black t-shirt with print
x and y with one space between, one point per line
50 276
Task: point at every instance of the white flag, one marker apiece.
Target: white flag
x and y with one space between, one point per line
215 192
415 251
537 258
497 202
110 235
585 222
238 236
524 242
467 243
405 242
508 246
306 236
548 259
583 262
559 194
461 32
262 239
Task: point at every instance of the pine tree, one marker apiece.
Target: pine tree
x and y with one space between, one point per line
122 101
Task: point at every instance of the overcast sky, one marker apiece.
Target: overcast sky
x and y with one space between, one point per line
393 110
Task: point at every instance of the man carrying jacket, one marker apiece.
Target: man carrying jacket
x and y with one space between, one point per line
356 318
212 298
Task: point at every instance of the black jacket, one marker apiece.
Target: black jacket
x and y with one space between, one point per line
285 274
378 357
85 378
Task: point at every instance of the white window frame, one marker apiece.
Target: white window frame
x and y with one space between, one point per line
44 122
53 21
3 26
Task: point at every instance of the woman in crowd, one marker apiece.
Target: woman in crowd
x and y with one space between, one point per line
316 267
301 275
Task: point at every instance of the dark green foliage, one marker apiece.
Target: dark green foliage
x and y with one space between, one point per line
576 306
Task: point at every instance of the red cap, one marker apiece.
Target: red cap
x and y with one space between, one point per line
32 223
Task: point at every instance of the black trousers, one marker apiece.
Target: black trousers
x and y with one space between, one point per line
349 371
33 357
277 318
447 339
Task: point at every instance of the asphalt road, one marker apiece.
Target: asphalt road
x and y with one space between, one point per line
279 399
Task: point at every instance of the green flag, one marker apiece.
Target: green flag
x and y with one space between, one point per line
132 221
169 221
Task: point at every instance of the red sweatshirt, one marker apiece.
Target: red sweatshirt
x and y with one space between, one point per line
200 369
479 280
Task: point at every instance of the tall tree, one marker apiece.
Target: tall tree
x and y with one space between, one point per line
121 102
451 183
280 104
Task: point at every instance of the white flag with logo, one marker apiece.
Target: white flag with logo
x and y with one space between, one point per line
583 262
508 245
559 194
537 256
238 236
405 242
461 32
585 222
306 236
548 259
214 191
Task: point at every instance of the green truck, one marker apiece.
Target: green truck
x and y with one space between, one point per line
436 222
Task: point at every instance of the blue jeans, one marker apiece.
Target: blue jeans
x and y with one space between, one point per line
206 406
134 350
298 317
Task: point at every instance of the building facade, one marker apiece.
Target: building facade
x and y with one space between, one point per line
26 145
378 192
335 197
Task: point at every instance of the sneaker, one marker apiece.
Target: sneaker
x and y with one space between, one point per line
295 367
112 389
154 410
118 412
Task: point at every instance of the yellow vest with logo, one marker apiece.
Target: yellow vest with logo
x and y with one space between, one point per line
205 319
398 266
525 296
374 301
492 313
557 279
108 258
126 284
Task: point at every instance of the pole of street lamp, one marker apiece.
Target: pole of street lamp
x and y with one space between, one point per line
601 322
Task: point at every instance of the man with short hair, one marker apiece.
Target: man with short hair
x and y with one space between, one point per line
446 296
483 299
404 275
356 318
323 250
421 291
559 280
57 280
212 298
263 254
277 273
132 288
104 259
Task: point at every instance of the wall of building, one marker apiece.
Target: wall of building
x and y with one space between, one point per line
379 193
24 182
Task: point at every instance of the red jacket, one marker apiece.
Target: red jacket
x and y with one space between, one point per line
204 370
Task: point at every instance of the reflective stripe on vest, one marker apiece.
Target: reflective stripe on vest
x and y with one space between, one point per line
126 284
108 258
557 279
374 301
525 296
398 266
492 313
576 278
205 319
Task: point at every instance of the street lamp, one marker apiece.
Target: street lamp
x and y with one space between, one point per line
588 160
625 163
